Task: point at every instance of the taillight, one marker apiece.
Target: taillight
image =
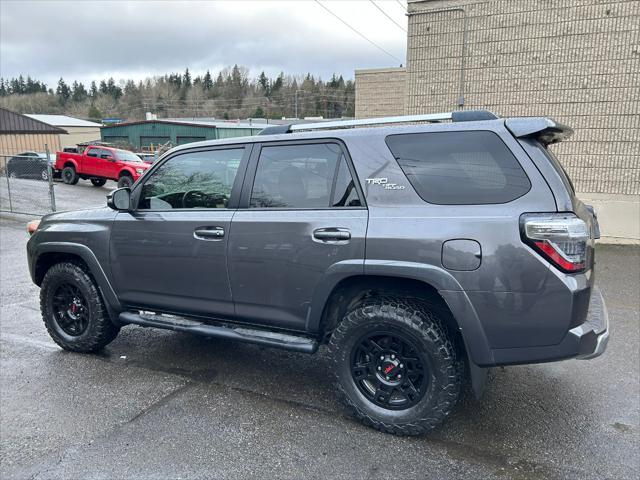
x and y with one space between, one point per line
561 238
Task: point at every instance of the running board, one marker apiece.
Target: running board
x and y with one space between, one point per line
259 337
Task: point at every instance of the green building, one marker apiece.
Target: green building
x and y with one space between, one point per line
149 134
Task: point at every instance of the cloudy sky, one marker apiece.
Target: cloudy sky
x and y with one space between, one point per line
85 39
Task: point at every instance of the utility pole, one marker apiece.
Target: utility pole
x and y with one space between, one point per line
296 103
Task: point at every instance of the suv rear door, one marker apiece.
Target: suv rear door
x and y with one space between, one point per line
302 213
169 253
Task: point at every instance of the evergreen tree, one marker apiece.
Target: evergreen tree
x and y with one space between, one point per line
186 79
263 81
22 86
277 85
79 93
207 81
63 91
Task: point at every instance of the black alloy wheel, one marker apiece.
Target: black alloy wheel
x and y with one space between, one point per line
388 370
70 309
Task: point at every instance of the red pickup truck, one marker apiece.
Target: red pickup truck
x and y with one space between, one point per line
100 164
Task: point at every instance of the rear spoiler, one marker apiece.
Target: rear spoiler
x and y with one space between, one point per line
544 129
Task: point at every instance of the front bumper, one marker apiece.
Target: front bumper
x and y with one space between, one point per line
587 340
593 335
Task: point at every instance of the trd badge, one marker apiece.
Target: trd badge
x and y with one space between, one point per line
385 183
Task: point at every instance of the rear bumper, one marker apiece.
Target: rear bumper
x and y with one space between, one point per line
588 340
593 335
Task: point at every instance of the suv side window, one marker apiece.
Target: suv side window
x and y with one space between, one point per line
192 180
345 193
303 176
460 168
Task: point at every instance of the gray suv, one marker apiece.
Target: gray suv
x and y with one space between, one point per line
421 250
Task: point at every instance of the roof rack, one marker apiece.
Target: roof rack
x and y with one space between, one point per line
457 116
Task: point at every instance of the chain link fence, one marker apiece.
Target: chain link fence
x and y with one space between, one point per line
26 183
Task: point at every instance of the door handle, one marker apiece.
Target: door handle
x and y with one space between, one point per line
332 234
205 233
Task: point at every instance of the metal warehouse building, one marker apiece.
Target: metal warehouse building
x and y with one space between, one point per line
77 130
19 133
577 61
148 134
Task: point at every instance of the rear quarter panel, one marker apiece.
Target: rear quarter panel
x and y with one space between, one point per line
514 297
62 158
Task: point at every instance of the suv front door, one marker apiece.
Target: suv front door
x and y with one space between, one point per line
169 253
302 216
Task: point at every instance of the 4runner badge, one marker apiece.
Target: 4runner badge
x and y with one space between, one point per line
385 183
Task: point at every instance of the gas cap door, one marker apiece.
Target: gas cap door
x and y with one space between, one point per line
461 254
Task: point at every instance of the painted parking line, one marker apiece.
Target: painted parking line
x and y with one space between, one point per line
33 342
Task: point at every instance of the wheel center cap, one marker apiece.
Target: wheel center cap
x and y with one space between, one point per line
390 369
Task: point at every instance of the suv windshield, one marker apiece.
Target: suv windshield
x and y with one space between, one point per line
127 156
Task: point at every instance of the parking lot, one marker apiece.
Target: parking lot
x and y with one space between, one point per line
158 404
32 196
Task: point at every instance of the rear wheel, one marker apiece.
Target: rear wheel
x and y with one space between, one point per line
73 310
13 174
44 175
69 175
98 182
396 368
125 180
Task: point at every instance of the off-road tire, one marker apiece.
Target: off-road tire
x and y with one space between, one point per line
125 180
69 175
98 182
420 320
99 332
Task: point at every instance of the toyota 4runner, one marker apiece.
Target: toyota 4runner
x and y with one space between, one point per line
421 249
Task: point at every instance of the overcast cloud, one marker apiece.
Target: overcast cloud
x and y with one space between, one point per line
88 40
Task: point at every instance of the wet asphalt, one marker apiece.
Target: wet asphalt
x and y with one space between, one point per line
159 404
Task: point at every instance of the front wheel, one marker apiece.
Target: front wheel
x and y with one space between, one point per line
73 310
69 175
125 181
396 368
98 182
44 175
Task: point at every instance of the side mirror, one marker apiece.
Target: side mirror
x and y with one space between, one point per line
107 157
120 199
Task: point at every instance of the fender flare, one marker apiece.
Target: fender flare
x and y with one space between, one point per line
108 294
127 170
473 334
72 161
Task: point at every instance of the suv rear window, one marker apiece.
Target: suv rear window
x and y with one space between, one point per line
459 168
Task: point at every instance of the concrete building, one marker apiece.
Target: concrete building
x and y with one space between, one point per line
78 130
575 60
19 133
149 134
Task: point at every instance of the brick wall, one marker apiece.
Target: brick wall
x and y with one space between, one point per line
380 92
575 60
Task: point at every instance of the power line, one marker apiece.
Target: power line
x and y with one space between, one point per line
360 34
386 15
402 5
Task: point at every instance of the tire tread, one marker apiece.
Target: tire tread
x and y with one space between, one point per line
103 331
427 318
